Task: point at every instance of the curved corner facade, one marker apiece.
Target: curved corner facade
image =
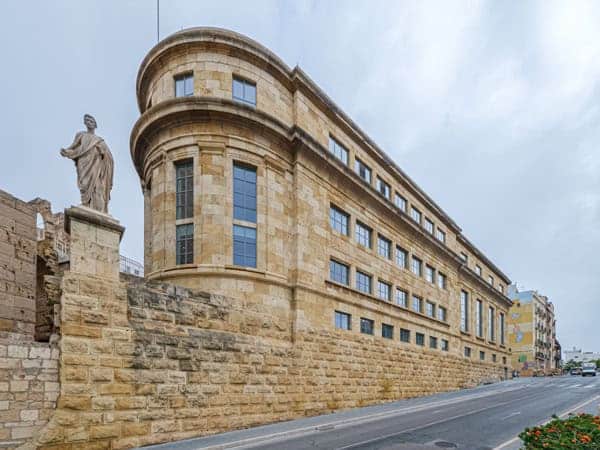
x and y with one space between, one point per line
258 187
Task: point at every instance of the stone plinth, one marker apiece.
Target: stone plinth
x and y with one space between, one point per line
95 239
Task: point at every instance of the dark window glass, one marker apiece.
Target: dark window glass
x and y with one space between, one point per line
184 190
430 309
417 304
185 243
338 272
342 320
428 226
401 257
244 193
363 235
244 246
442 315
383 188
494 358
482 356
338 150
444 345
338 220
387 331
244 91
433 342
400 202
420 338
417 266
384 247
468 352
363 282
429 274
404 335
184 85
362 170
366 326
464 311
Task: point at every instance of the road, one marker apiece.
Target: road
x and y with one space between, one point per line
484 418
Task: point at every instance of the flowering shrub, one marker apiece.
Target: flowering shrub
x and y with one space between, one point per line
577 432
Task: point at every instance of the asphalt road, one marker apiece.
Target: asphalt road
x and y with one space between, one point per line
484 418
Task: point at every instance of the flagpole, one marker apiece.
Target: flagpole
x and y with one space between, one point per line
157 20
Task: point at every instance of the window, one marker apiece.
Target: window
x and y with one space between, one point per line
441 280
401 297
342 320
339 151
464 257
492 324
244 193
482 356
501 288
494 358
420 338
504 360
384 247
244 91
440 235
433 342
338 272
339 220
428 226
478 270
415 214
362 170
430 309
417 304
184 85
401 257
464 311
185 243
387 331
429 273
404 335
502 342
384 291
383 188
417 266
491 280
244 246
366 326
363 282
184 189
400 202
445 345
468 352
442 314
479 318
363 235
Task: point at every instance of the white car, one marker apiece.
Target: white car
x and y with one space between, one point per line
588 369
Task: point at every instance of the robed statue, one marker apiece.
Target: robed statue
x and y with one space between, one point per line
94 164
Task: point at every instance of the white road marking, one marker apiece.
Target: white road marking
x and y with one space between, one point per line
575 386
511 415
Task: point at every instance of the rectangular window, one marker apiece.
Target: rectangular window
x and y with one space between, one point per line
429 273
468 352
400 297
502 342
504 360
366 326
384 291
384 247
420 339
433 342
501 288
440 235
342 320
464 257
401 257
362 170
417 304
464 311
445 345
184 189
404 335
478 270
339 220
479 318
244 91
184 85
363 282
491 280
482 356
244 193
442 314
339 272
400 202
244 246
363 235
383 188
417 266
387 331
430 309
441 280
494 358
492 324
428 226
415 214
338 150
185 243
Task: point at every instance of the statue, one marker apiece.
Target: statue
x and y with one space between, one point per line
94 164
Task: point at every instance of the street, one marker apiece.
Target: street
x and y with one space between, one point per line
487 417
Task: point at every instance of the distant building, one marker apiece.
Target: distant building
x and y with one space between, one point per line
578 355
130 266
532 332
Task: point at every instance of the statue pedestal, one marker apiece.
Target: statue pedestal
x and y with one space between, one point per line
95 239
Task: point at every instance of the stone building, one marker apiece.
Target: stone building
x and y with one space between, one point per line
258 187
532 332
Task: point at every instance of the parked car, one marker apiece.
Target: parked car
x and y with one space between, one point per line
588 369
576 371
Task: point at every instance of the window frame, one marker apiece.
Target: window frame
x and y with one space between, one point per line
433 342
400 202
419 301
389 328
464 311
384 244
342 314
370 323
336 147
187 240
360 167
358 235
346 267
383 187
416 213
184 77
396 297
419 272
429 270
246 190
245 83
245 258
404 253
380 284
184 189
334 214
404 335
429 226
358 276
420 339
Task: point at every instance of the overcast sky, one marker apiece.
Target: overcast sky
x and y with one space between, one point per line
493 108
